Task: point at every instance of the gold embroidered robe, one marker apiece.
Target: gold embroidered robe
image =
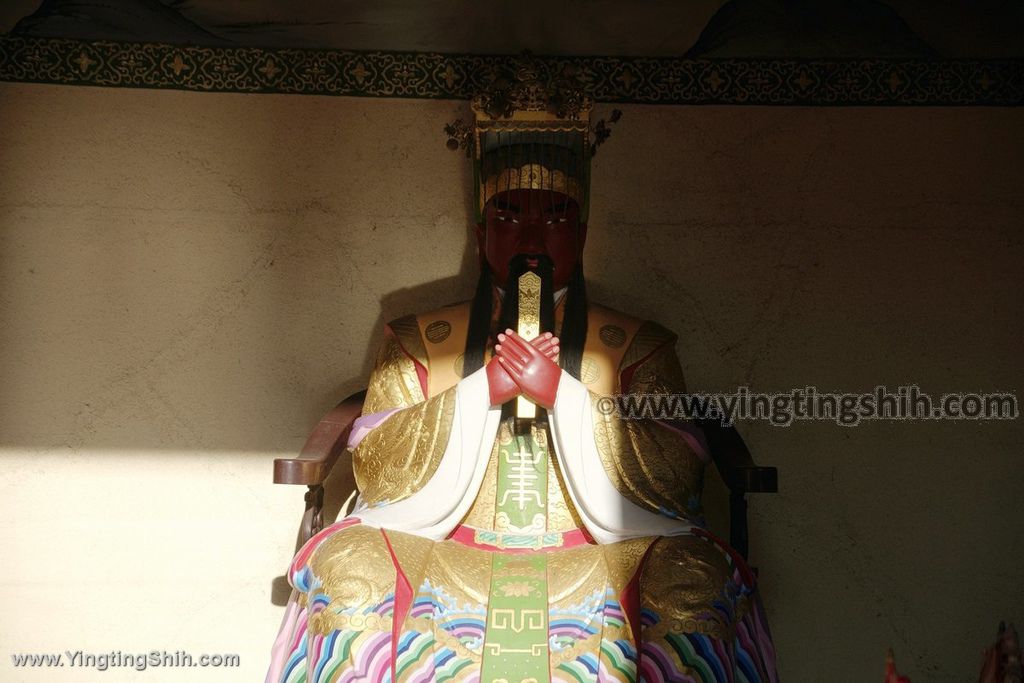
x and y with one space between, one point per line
594 593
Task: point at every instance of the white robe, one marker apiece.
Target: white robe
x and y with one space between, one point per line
436 509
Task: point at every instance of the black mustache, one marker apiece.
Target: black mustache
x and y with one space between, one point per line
518 264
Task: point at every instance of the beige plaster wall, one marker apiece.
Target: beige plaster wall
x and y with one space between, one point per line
188 281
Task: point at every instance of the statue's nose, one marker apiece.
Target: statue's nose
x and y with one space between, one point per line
532 240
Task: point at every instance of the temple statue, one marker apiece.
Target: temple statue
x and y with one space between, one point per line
509 528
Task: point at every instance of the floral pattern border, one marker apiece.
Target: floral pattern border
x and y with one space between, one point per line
646 80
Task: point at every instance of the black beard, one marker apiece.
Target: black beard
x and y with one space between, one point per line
572 335
508 318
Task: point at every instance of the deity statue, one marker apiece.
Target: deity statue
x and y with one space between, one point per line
508 529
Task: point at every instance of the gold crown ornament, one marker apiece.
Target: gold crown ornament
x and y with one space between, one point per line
531 129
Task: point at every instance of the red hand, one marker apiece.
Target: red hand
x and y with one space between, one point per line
536 374
501 386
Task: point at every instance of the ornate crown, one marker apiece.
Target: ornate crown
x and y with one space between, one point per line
531 129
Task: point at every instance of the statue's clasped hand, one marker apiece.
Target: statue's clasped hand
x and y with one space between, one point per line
502 386
531 366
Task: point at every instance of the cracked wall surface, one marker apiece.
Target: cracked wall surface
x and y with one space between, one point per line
189 281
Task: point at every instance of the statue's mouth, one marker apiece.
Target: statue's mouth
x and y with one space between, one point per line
536 262
531 260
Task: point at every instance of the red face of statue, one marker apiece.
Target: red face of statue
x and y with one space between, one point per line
532 222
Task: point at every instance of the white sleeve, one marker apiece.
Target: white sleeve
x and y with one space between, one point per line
435 510
607 514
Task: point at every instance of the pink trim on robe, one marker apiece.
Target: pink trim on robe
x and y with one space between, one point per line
292 628
692 434
365 424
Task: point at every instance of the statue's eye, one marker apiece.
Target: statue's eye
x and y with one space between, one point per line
554 221
507 219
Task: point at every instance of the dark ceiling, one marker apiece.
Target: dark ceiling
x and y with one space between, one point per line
698 28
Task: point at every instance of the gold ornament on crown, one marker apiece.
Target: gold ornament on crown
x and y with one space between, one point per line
531 176
525 96
531 96
530 87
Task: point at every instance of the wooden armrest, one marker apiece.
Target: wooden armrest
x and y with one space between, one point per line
323 446
734 462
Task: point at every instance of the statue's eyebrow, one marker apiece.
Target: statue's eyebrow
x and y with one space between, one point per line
507 206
